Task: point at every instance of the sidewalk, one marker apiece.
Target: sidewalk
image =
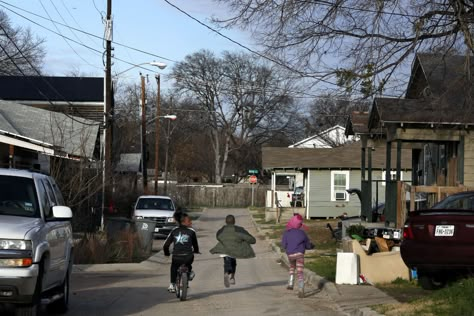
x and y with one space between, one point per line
351 299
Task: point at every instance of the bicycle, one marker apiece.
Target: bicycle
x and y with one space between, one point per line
182 280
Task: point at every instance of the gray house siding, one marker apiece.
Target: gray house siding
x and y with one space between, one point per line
319 197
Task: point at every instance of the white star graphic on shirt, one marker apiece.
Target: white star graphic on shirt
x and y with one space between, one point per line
182 238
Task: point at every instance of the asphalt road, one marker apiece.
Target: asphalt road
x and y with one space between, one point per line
140 289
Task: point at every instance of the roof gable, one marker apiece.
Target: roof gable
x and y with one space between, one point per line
438 75
331 137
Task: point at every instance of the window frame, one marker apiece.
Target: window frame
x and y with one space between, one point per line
333 190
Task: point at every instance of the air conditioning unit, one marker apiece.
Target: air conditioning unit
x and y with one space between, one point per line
340 196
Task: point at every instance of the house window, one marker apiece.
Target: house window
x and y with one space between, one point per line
339 185
393 176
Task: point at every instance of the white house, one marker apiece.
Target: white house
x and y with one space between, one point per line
330 138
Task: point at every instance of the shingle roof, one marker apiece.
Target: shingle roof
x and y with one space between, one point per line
443 77
357 123
73 135
418 111
347 157
42 88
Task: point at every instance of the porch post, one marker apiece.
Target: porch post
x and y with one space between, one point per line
460 177
273 189
388 160
369 184
399 159
362 158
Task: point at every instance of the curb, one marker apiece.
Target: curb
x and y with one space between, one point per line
316 280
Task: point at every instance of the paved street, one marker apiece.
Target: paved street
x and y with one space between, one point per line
140 289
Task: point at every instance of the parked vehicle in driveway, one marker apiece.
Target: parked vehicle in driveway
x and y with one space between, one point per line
36 245
159 209
439 242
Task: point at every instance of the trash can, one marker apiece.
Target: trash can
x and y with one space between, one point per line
117 227
145 230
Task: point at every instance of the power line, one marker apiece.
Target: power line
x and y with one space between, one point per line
294 94
300 73
78 30
75 21
56 27
95 50
72 40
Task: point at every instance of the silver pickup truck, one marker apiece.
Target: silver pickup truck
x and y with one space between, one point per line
35 243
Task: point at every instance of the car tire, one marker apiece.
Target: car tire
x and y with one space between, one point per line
431 281
61 305
34 308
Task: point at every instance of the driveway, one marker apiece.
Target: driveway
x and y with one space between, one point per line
140 289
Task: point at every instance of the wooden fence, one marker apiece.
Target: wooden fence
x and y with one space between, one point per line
434 194
218 196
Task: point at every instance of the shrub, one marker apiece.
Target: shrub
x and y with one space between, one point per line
355 230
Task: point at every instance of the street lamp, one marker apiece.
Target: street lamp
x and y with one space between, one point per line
152 63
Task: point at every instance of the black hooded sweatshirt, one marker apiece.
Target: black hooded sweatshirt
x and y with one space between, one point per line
184 239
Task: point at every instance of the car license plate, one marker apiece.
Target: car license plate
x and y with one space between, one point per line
157 230
444 230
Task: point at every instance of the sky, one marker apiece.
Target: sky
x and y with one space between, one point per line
152 26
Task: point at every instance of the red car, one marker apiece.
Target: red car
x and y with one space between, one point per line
439 242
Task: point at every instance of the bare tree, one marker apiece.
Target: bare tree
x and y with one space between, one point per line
18 48
328 111
354 43
243 100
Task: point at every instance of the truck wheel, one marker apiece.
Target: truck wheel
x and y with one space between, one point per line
431 281
33 309
61 305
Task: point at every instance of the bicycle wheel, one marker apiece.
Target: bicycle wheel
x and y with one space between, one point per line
178 285
183 286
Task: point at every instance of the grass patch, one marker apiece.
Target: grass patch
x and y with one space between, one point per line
403 291
455 299
323 266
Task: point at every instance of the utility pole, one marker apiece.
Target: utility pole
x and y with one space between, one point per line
108 119
144 164
157 132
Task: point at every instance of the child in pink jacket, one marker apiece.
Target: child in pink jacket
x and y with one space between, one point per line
296 242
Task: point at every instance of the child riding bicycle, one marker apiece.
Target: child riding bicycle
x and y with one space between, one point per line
185 246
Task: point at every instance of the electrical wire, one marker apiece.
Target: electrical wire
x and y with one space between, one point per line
76 22
277 62
78 30
295 94
72 40
63 37
116 58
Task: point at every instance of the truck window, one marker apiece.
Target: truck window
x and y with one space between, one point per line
44 200
18 197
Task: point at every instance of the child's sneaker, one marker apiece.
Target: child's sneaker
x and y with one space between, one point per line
172 288
232 280
301 289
